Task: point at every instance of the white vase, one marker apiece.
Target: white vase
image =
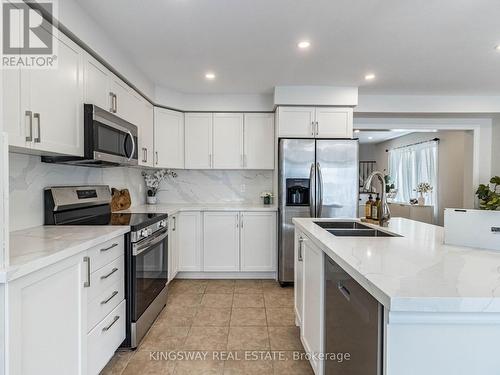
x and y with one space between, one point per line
151 200
421 200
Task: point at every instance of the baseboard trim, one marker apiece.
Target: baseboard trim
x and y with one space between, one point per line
226 275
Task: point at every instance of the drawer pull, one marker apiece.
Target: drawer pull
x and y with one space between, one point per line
109 274
110 247
111 324
109 298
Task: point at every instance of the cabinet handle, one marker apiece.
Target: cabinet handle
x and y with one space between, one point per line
145 154
175 223
156 156
109 248
111 102
109 274
115 103
29 115
109 298
111 324
312 128
317 128
39 138
86 284
299 255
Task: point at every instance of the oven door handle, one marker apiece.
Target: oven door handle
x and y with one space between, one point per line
141 246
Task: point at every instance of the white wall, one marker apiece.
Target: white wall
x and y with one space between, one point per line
73 17
212 102
29 176
495 151
455 155
427 104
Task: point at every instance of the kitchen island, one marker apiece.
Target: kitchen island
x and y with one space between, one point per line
440 304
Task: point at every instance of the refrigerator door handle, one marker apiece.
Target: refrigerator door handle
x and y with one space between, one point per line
312 184
320 190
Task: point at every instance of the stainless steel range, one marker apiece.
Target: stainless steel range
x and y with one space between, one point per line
146 249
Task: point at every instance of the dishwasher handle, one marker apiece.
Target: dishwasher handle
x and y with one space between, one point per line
344 291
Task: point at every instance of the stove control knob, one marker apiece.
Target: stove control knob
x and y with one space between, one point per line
163 223
144 233
150 231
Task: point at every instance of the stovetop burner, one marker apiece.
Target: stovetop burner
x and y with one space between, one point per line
136 221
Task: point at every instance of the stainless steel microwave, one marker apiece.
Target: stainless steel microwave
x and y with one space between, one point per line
108 141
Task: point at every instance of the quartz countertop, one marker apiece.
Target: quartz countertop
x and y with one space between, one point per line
416 272
178 207
35 248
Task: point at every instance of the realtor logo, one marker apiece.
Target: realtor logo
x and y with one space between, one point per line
28 35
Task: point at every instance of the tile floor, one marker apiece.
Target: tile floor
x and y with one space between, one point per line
217 318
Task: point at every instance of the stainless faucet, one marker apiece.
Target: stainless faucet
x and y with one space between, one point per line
386 213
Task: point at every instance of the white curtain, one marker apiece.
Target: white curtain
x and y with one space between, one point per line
411 165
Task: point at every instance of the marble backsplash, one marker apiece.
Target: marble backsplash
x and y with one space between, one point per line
28 176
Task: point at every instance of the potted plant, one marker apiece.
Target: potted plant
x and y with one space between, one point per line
423 188
267 197
153 181
489 195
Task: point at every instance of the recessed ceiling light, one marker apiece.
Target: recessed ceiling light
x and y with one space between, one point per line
356 131
370 76
370 137
304 44
497 47
210 75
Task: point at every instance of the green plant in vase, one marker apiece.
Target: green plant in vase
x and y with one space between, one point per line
489 195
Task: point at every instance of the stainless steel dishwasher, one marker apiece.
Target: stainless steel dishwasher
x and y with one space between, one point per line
353 324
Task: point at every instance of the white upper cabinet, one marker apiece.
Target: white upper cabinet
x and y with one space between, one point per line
228 141
146 134
54 98
198 129
221 239
315 122
296 122
169 138
258 136
333 122
258 241
125 104
97 80
15 119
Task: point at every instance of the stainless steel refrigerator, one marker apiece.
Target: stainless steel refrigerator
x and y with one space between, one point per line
317 178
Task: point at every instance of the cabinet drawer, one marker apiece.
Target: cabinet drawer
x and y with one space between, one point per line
105 338
104 303
105 277
104 253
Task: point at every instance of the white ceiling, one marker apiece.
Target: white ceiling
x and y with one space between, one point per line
377 136
414 47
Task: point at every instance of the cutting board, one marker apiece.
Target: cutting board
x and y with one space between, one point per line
120 199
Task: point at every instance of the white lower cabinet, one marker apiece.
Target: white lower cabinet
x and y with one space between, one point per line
221 238
173 247
105 338
47 327
223 241
69 317
299 277
189 241
312 327
258 241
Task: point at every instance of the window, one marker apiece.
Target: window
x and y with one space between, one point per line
411 165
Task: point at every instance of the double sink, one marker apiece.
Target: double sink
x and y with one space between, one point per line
352 229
